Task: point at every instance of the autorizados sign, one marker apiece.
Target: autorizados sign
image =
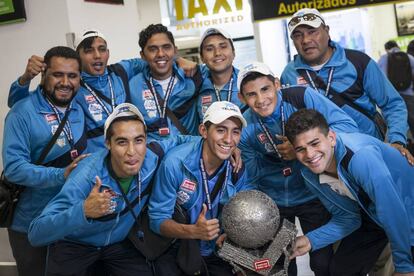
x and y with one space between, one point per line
267 9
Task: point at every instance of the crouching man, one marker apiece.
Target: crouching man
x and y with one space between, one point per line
366 185
89 220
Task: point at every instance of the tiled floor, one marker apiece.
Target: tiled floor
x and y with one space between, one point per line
7 270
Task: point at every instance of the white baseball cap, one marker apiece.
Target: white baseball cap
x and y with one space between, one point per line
308 17
123 110
218 112
258 67
215 31
86 34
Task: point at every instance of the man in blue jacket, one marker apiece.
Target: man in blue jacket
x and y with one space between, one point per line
219 74
198 177
357 177
349 78
102 86
29 127
270 158
89 220
165 97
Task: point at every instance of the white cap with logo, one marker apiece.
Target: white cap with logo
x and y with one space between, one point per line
215 31
123 110
308 17
258 67
218 112
86 34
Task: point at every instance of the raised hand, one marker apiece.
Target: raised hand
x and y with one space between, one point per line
35 65
286 149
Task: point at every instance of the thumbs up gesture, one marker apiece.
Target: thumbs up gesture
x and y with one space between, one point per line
97 204
206 229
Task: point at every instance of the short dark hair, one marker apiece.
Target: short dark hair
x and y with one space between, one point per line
61 51
304 120
110 130
252 76
151 30
202 43
390 44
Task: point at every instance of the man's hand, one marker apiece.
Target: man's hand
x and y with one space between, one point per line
301 247
404 152
236 160
74 163
35 65
98 204
188 66
220 240
286 149
206 229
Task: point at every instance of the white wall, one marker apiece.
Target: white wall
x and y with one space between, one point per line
46 25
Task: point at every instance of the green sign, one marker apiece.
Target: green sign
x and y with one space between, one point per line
403 41
269 9
12 11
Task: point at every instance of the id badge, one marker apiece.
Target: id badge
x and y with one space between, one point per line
74 153
287 171
164 131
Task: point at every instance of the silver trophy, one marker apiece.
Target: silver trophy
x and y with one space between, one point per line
255 238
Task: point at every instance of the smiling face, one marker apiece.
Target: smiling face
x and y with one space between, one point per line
221 139
312 44
95 58
260 95
127 146
61 80
159 52
218 54
316 150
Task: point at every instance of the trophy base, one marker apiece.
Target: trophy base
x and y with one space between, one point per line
262 261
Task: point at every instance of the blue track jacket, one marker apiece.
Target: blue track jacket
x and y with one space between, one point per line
376 90
208 96
179 179
263 165
64 218
180 101
381 180
29 126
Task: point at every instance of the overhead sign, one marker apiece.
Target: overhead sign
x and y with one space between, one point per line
268 9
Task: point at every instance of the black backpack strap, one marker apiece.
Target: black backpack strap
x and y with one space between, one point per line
119 70
170 113
362 195
52 141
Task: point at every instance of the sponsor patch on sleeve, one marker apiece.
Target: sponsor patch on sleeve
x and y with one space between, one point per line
188 185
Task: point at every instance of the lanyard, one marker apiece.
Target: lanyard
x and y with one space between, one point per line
328 86
166 95
67 130
99 100
230 91
267 132
205 184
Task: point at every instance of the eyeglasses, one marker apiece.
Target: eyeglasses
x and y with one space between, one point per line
306 17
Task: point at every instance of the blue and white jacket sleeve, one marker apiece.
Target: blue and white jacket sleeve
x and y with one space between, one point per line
342 223
381 91
64 214
17 92
371 173
19 167
133 66
337 119
164 194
